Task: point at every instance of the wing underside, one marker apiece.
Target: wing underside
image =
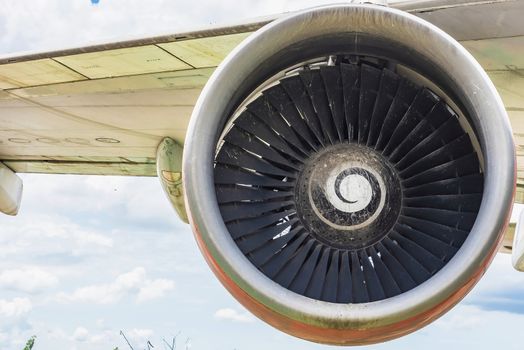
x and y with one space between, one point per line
104 111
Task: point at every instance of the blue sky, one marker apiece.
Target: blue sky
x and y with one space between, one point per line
90 256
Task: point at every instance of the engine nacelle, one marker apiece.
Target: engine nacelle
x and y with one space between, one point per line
349 172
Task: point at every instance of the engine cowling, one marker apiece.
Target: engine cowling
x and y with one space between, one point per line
349 173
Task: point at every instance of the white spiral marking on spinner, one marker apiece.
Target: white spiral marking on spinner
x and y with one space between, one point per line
354 192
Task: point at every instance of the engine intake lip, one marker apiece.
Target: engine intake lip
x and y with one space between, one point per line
370 30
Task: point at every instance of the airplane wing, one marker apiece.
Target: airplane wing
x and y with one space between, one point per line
103 109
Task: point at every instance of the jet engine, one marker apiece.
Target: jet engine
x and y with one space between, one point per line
349 172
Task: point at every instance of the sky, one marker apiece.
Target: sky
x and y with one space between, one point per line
88 257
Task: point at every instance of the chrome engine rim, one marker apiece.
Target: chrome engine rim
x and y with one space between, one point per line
480 100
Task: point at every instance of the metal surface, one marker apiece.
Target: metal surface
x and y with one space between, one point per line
358 27
507 242
169 172
491 18
517 255
43 127
10 191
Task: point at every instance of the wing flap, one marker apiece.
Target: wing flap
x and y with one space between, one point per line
39 72
123 62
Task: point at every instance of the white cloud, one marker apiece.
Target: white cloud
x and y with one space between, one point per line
94 239
56 333
471 327
143 205
469 317
233 315
28 280
500 277
83 335
15 308
80 334
102 338
139 335
101 323
49 234
130 280
155 289
134 282
107 293
14 324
